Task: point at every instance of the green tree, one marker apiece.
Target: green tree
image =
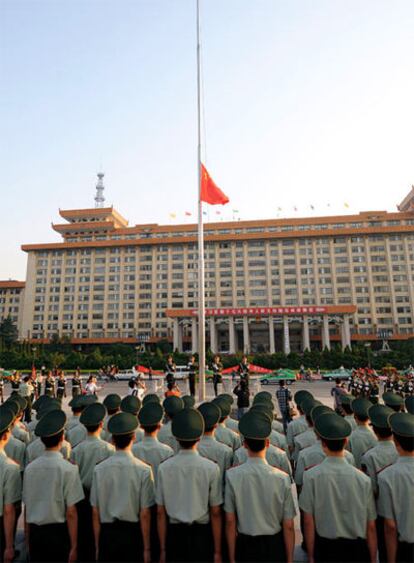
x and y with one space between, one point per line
8 333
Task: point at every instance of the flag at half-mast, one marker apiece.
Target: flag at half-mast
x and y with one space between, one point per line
210 192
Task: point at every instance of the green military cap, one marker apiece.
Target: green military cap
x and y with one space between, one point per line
263 395
300 395
211 414
332 426
93 414
151 398
6 418
131 404
392 399
263 408
13 406
409 404
226 396
122 423
255 425
265 402
379 415
361 406
402 424
150 414
112 402
76 402
51 405
308 404
223 405
21 401
189 401
346 399
51 423
87 400
173 405
317 410
187 425
39 402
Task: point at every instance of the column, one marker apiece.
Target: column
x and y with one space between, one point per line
347 331
175 334
232 336
246 335
326 343
305 333
180 337
213 335
272 347
286 339
194 335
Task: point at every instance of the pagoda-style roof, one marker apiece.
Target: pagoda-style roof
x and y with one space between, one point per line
95 214
84 227
407 203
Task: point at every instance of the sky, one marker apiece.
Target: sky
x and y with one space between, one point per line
305 103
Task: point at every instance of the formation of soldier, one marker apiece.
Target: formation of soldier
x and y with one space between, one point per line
125 480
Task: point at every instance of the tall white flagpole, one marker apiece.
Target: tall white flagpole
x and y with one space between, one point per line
201 293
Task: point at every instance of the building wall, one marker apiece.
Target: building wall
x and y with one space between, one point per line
88 290
11 301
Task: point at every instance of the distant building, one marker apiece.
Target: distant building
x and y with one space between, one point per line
11 300
279 284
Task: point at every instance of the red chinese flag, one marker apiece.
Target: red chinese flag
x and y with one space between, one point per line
210 193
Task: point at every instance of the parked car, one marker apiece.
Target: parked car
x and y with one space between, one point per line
274 378
340 373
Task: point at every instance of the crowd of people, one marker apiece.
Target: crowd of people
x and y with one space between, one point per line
153 479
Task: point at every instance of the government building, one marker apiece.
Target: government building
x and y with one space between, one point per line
271 285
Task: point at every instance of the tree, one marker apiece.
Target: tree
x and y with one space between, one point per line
8 333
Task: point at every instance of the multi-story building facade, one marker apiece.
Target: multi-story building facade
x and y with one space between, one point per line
279 284
11 300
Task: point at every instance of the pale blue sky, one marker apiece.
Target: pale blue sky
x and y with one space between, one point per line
306 102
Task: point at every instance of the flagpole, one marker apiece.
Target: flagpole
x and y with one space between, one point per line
201 293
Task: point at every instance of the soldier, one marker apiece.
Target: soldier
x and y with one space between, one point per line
208 446
399 387
377 458
409 404
112 403
122 494
346 401
10 490
172 406
132 404
297 425
87 455
332 534
15 449
362 438
50 385
258 501
276 438
189 497
2 388
396 492
217 368
284 397
51 490
266 397
409 387
393 401
61 386
189 401
169 370
15 382
76 433
222 433
230 422
191 368
307 438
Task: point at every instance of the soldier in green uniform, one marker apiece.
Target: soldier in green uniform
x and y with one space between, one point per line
266 397
258 500
297 425
189 401
77 433
10 490
51 490
122 494
308 437
19 429
132 404
189 497
77 407
409 404
208 446
112 403
377 458
276 438
153 452
223 433
87 455
337 501
172 406
230 422
346 401
15 449
362 438
393 401
396 492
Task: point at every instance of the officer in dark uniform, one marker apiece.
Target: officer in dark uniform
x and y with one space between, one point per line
217 368
409 388
61 387
50 385
374 392
76 384
169 370
244 368
191 368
